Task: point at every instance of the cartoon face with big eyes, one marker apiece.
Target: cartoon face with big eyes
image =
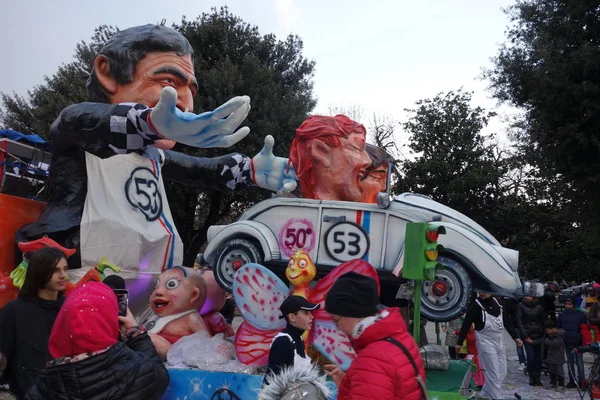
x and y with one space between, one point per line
174 293
300 270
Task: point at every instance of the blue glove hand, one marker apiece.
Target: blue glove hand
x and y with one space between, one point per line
270 172
210 129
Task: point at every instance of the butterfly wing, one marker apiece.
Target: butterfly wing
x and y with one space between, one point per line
258 293
252 345
332 343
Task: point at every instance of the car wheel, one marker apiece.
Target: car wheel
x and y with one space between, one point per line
231 255
448 296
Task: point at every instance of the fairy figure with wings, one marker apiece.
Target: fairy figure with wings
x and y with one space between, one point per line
258 293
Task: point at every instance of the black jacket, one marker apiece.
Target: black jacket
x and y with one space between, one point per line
556 347
282 350
548 302
25 327
530 321
131 371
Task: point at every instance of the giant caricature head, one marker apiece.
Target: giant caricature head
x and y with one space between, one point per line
328 154
137 63
375 179
177 290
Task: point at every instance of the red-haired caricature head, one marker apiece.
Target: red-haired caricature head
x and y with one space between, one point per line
328 154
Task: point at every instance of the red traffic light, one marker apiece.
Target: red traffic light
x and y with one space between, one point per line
433 232
432 236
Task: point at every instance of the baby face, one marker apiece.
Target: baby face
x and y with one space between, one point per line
174 293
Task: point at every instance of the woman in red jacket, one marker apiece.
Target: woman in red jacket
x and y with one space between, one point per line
388 365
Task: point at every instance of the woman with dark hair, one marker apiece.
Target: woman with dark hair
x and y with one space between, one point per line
25 323
530 323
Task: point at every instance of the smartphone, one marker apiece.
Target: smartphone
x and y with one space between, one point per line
122 300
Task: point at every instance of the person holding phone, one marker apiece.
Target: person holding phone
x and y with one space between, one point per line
117 284
98 354
25 323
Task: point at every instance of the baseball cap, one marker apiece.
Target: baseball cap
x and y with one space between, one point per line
293 304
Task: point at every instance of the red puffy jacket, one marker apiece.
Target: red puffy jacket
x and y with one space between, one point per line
381 370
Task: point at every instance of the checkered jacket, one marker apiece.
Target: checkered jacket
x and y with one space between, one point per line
123 128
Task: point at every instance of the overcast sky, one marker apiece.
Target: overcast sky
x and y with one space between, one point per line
381 54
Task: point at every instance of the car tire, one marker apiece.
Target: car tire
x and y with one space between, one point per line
231 255
448 296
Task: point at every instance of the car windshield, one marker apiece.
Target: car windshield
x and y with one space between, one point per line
424 202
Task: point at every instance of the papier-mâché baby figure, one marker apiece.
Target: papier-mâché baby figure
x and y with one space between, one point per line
215 300
178 297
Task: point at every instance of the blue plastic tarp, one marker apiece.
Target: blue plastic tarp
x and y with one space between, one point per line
32 139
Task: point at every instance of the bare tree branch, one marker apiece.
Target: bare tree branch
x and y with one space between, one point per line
353 111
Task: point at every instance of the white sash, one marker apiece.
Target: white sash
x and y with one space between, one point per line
157 325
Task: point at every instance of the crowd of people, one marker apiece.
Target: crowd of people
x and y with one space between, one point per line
54 347
547 340
78 347
49 344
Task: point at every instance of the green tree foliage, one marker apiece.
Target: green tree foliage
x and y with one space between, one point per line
231 58
451 160
549 67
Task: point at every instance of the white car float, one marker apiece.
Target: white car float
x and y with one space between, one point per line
333 232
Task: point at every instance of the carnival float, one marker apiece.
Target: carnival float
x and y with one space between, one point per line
106 207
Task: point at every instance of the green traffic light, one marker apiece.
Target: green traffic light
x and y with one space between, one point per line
421 250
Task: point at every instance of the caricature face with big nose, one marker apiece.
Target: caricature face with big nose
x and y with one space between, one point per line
154 72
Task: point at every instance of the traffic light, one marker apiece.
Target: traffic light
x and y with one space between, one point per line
421 250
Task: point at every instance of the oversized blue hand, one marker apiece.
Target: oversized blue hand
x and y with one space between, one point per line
272 172
210 129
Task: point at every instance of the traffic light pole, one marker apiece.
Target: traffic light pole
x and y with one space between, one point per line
421 251
417 312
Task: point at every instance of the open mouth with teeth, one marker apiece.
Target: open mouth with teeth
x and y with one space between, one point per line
160 304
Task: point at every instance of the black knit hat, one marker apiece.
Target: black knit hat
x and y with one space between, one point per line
570 299
353 295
